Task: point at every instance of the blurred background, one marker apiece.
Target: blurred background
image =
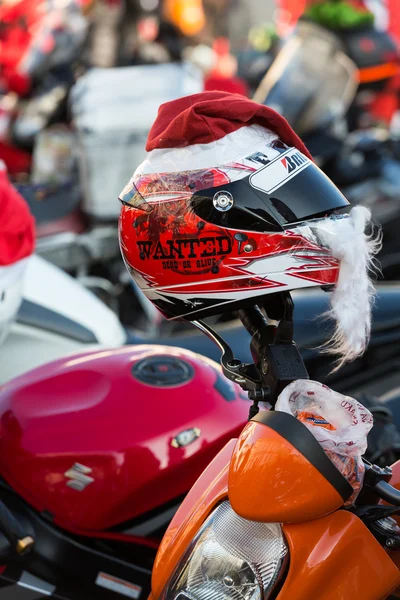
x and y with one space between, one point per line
80 85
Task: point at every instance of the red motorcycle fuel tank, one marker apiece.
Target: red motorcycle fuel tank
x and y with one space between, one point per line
99 438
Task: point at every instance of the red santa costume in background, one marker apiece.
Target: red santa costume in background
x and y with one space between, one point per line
17 240
223 76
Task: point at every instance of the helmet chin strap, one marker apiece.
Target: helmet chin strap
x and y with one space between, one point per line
354 293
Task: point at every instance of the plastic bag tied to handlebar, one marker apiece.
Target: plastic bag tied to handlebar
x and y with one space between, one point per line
338 422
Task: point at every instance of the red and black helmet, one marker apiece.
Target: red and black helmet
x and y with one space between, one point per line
222 208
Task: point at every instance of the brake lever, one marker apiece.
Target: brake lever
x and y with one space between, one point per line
232 367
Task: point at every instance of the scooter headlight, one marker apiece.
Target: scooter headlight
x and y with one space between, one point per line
229 559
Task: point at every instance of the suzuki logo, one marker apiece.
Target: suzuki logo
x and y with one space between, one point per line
78 476
184 438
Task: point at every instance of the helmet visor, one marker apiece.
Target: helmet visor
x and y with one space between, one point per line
288 189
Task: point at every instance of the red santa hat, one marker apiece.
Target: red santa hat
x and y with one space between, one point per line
208 117
17 227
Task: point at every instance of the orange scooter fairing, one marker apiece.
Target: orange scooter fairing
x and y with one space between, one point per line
395 555
336 557
207 492
280 474
331 556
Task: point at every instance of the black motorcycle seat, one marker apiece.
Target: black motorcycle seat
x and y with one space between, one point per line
51 203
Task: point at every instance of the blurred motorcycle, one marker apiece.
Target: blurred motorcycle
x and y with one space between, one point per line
57 316
70 173
77 214
315 84
326 81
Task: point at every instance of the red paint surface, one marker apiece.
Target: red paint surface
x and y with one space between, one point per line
89 409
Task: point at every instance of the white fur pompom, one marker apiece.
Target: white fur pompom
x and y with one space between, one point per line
354 292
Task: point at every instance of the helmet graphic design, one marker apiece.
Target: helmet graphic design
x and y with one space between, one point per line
227 207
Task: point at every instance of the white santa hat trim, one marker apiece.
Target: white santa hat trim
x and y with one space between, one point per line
9 274
234 146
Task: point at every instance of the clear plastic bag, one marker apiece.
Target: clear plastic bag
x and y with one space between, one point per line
339 423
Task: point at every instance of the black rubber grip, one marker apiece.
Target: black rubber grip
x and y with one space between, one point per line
253 319
387 492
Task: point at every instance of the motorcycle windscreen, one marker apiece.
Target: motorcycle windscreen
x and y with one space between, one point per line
311 82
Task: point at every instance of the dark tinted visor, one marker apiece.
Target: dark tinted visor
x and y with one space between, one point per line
289 189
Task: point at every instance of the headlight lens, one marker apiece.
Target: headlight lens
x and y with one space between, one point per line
229 559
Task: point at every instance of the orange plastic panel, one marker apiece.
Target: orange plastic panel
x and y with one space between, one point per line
332 557
378 73
395 482
271 481
336 557
207 492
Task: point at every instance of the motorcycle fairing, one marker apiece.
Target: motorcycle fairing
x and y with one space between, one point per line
327 550
277 457
395 556
207 492
91 410
322 551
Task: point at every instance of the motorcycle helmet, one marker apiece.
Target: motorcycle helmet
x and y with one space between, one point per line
16 245
228 207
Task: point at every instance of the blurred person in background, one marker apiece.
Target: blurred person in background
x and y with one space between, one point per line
386 12
173 35
223 76
156 42
157 31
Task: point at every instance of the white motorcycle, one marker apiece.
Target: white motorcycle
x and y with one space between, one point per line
56 316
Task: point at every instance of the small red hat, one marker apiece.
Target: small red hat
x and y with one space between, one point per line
17 226
209 116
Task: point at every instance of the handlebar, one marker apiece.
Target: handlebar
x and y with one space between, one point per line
388 493
253 320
